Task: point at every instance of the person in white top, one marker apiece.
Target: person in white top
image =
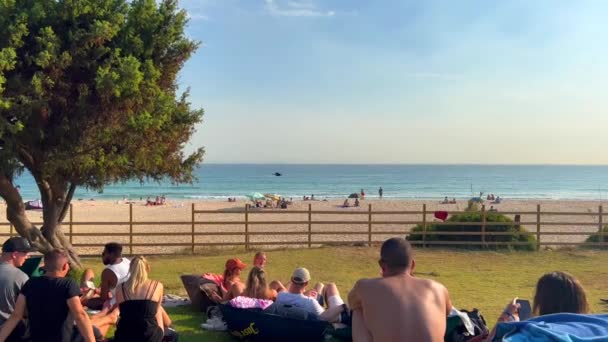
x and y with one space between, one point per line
297 296
115 273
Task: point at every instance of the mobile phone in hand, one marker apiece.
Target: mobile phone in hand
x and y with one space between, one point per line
525 310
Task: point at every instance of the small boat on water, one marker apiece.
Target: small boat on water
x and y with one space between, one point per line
278 174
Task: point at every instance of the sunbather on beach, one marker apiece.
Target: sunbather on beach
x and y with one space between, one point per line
297 296
399 306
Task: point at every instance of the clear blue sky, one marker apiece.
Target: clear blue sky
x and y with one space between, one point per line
395 81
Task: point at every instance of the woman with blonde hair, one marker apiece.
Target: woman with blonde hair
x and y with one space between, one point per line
256 294
139 299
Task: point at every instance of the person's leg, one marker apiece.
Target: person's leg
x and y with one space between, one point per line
87 278
104 320
335 304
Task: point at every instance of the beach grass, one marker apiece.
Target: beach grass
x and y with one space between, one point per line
476 279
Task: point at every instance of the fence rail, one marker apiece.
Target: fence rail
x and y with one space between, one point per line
365 218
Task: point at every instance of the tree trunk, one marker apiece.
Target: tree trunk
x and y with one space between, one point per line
49 236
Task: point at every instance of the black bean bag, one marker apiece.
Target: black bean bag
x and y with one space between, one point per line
257 325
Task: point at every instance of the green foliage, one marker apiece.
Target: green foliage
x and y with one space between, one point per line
596 238
519 238
88 91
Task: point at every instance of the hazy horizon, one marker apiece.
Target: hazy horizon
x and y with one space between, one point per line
399 82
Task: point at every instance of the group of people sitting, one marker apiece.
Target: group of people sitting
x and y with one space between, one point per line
51 307
322 301
346 203
398 306
446 201
159 200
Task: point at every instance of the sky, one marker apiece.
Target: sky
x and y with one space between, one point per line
399 81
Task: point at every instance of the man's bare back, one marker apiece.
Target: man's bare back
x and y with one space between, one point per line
400 308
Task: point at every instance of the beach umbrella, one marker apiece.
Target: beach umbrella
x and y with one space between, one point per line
254 196
273 197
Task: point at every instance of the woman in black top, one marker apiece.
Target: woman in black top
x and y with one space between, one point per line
139 299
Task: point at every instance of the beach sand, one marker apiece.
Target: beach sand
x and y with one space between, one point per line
181 211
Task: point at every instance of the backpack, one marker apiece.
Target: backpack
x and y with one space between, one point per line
460 333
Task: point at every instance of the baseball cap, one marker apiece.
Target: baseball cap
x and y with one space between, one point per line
300 275
235 263
17 244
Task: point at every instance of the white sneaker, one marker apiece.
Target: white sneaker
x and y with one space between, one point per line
214 324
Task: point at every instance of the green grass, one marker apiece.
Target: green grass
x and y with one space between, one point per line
476 279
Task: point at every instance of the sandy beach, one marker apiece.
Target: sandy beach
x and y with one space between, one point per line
181 213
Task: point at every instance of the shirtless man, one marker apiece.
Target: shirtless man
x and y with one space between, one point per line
398 306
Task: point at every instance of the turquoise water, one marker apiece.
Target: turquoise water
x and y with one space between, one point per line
219 181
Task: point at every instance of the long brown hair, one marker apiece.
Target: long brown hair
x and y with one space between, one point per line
559 292
256 286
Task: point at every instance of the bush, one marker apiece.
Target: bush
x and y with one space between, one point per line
522 240
595 238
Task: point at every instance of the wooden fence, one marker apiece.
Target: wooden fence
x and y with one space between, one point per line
369 218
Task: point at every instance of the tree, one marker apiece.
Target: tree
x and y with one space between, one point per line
88 97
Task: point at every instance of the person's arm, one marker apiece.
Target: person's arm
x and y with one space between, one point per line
13 320
354 297
108 282
158 296
359 329
82 319
235 290
448 302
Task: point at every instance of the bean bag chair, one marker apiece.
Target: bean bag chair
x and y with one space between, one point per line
257 325
199 299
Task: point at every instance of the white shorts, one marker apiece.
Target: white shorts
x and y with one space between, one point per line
333 301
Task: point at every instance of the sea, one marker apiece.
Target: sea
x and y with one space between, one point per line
220 181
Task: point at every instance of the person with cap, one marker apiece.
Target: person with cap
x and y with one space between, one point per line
14 253
398 306
310 301
53 308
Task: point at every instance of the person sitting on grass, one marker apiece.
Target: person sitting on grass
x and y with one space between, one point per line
309 301
114 274
556 292
398 306
52 304
142 318
257 293
14 253
228 284
259 259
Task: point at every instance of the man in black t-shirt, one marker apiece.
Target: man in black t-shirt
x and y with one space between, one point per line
53 305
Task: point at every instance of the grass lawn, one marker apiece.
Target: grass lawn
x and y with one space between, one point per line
476 279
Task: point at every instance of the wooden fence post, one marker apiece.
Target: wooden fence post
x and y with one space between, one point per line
10 230
483 225
538 227
424 225
247 226
601 223
131 229
369 227
309 225
193 227
71 222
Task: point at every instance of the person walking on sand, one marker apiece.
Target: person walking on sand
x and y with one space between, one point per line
380 192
